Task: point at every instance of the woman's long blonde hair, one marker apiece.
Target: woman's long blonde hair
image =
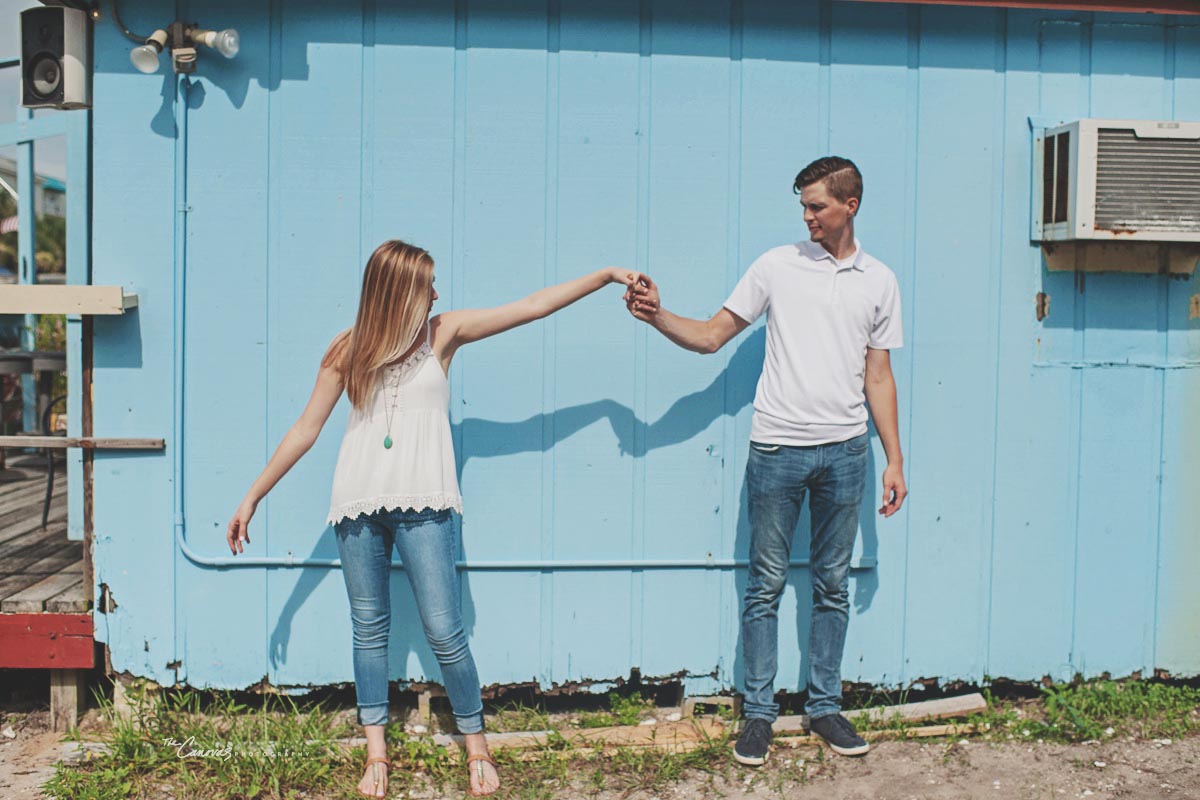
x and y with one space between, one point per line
391 312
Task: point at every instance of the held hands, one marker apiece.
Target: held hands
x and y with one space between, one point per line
628 278
641 298
238 532
894 490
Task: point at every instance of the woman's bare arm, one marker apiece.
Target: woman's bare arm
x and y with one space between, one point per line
295 443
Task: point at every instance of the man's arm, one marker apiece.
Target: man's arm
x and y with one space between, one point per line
697 335
881 397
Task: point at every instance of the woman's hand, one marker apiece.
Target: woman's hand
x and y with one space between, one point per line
623 276
238 532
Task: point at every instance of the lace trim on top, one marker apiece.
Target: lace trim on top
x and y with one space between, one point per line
395 374
436 501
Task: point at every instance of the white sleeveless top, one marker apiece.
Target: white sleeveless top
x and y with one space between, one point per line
418 471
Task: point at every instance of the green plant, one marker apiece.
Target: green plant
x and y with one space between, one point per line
596 719
628 710
1095 710
519 717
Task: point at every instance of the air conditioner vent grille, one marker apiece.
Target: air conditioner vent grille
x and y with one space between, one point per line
1147 184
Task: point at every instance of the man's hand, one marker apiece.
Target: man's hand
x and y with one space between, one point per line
894 490
641 298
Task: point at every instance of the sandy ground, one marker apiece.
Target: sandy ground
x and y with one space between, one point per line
895 770
27 759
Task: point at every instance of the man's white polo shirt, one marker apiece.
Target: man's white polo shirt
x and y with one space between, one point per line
822 315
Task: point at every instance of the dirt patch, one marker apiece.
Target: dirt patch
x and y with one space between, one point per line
27 758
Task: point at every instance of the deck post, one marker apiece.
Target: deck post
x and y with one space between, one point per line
68 697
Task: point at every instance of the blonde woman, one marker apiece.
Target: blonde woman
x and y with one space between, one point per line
395 483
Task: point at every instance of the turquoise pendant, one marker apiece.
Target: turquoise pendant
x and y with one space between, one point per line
387 442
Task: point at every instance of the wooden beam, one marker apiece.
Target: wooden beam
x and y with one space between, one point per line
1122 6
668 736
38 641
106 300
87 421
943 708
877 736
84 442
68 696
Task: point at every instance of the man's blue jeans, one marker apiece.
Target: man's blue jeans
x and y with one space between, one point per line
777 479
427 546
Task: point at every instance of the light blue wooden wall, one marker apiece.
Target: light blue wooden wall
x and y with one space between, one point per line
524 143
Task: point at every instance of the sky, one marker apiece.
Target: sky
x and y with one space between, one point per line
50 157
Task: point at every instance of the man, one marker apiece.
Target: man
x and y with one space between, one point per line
833 313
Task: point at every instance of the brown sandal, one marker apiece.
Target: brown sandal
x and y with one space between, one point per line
375 772
479 759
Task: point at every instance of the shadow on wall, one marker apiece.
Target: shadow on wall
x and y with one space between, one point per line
731 391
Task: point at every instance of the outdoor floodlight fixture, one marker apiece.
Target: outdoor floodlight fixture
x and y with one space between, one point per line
181 38
145 57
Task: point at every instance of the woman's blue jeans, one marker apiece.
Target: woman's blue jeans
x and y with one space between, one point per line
777 479
427 546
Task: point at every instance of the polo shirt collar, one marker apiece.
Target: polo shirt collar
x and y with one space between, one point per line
816 252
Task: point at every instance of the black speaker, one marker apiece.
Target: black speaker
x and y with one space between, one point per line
56 58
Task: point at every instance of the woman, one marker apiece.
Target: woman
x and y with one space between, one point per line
396 482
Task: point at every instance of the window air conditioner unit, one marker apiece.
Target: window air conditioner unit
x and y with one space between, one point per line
1117 180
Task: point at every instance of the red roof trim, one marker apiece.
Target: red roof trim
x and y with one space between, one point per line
1126 6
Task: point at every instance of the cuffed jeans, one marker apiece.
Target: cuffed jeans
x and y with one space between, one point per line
427 546
777 479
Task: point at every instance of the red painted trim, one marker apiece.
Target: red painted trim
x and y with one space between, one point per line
1124 6
41 641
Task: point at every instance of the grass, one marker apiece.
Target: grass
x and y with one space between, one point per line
623 710
1080 712
519 717
883 698
208 746
306 760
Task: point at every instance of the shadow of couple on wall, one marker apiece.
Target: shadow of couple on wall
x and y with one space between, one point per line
689 416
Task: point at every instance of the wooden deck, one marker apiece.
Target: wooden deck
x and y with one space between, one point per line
41 571
45 622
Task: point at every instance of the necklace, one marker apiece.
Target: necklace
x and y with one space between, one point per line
388 414
389 411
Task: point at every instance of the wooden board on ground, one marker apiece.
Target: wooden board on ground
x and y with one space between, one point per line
875 736
671 737
943 708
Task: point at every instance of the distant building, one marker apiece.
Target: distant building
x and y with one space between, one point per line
50 194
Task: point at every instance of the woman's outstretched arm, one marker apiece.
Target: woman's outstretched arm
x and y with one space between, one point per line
457 328
295 443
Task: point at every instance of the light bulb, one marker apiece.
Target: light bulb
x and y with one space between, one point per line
227 42
145 58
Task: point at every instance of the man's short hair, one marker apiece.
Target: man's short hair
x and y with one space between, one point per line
841 177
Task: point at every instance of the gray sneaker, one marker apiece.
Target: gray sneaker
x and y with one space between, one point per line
753 743
840 735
